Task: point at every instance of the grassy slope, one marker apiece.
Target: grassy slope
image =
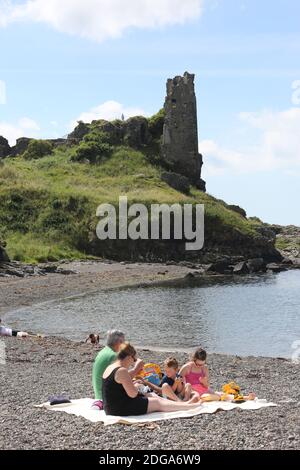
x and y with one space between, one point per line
47 206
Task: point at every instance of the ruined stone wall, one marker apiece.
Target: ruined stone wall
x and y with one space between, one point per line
179 149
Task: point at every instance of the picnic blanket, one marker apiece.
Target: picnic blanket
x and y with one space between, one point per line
83 407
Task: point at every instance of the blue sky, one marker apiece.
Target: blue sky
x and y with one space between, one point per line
100 58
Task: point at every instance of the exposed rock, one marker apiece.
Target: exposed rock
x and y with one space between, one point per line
11 270
4 147
288 240
201 184
55 269
3 255
241 268
79 132
15 268
222 266
179 149
20 147
58 142
275 268
179 182
255 265
115 130
238 209
136 132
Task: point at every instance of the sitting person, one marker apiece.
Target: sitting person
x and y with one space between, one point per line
195 372
106 357
4 331
172 385
121 396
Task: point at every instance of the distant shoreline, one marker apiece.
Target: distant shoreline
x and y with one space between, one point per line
90 277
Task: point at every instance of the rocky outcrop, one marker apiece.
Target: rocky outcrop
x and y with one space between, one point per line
179 182
133 133
3 255
179 149
20 147
4 147
288 241
79 132
16 269
136 133
237 209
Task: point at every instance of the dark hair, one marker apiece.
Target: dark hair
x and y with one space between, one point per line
199 354
126 350
172 363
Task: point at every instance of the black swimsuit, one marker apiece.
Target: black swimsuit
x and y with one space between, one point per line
116 401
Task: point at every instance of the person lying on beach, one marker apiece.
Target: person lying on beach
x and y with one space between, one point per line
4 331
172 385
195 372
121 396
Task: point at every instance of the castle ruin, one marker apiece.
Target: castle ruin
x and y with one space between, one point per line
179 149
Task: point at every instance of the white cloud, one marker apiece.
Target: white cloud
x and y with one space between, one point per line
101 19
109 110
27 123
25 127
277 148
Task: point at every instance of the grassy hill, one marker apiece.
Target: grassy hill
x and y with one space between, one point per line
48 204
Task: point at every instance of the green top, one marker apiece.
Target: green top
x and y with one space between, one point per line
103 359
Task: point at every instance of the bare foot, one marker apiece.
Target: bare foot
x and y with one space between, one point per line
194 399
251 396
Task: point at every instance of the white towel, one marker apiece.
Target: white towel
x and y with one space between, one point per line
83 407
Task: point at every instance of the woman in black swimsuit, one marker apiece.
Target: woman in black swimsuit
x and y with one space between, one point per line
121 396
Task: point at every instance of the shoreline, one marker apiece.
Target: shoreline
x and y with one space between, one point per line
38 368
89 278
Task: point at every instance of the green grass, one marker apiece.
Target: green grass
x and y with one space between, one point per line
288 244
48 205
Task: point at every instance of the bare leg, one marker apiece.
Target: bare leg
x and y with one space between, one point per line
160 404
168 392
210 397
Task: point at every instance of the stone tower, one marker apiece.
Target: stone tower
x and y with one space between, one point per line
179 148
